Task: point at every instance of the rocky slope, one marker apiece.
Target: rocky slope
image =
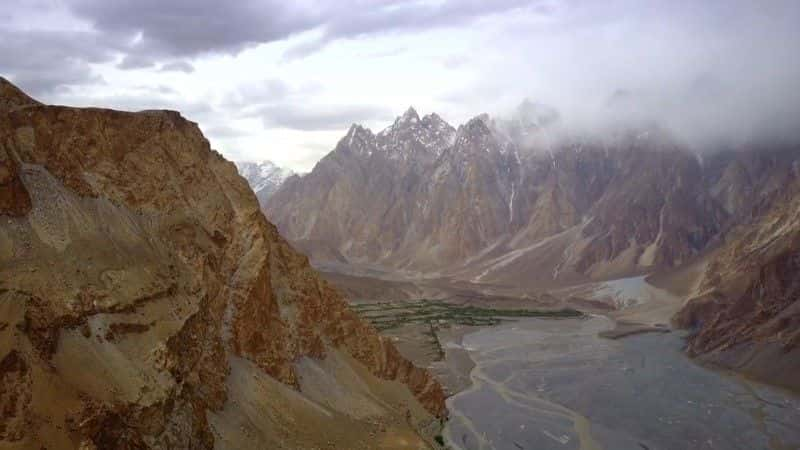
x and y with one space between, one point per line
512 202
745 312
146 302
264 177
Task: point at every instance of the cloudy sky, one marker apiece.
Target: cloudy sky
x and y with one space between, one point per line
283 80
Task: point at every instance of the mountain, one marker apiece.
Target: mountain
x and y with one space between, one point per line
264 177
745 310
518 203
515 201
145 301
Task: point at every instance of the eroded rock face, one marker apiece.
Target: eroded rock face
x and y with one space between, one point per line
137 270
14 198
746 312
11 97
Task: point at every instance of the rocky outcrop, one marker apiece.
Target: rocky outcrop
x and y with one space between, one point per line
11 97
746 311
145 301
14 198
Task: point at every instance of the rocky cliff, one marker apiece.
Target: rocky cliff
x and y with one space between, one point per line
745 313
147 302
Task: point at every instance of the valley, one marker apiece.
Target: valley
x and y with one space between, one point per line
583 293
632 224
541 384
399 225
536 379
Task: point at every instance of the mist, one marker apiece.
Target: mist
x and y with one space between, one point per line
712 74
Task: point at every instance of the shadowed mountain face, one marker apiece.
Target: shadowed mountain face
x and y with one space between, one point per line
746 308
146 302
504 202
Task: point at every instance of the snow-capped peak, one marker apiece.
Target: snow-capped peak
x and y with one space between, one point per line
481 132
263 175
358 139
410 134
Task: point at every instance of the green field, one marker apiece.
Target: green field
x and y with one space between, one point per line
388 315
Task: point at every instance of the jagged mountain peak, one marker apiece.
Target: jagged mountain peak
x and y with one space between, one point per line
433 118
526 127
410 116
478 126
534 114
411 119
411 135
357 129
436 124
478 135
483 118
359 139
264 177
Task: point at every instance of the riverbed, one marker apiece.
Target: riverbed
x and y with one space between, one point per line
555 384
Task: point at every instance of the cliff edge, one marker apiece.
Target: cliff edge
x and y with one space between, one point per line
146 302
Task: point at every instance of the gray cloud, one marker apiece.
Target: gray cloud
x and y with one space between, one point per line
136 62
140 34
150 98
40 61
278 103
308 117
246 98
177 66
146 33
415 15
713 73
709 71
364 18
222 131
192 27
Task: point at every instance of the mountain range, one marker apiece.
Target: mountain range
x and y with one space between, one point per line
520 202
500 201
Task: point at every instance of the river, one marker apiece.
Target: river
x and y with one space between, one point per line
554 384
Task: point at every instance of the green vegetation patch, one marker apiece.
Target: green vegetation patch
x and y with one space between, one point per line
389 315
